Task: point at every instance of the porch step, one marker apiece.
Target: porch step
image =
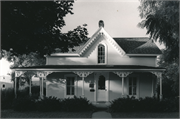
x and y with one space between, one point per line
102 105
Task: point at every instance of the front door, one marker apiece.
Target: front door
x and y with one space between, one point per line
102 87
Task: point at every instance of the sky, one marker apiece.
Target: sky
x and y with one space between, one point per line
120 20
120 17
4 67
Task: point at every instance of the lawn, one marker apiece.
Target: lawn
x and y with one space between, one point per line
145 115
14 114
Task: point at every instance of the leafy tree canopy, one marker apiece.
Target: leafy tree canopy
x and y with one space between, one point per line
161 19
25 60
35 26
170 76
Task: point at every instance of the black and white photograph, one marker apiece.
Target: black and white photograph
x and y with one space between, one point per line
89 59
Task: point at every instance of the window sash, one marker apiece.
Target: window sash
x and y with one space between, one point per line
70 88
132 86
101 54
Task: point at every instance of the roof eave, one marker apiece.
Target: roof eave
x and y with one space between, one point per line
86 69
65 55
143 54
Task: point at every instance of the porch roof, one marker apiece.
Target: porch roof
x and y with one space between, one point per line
90 68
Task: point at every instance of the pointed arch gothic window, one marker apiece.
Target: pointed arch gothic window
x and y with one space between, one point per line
101 54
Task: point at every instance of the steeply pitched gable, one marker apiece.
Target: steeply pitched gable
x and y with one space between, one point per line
137 45
99 34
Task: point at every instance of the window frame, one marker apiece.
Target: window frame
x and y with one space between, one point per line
65 87
105 53
133 81
137 87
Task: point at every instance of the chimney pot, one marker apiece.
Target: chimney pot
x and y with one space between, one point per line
101 23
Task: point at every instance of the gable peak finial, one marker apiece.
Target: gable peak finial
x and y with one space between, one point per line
101 23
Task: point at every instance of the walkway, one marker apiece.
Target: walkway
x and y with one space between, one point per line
101 114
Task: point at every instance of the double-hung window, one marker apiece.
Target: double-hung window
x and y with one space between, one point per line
70 89
132 86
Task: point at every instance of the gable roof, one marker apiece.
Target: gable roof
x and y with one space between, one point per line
136 45
129 46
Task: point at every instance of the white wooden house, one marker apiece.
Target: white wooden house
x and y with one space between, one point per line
102 69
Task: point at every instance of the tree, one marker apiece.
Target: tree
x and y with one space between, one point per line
31 59
35 26
170 76
161 19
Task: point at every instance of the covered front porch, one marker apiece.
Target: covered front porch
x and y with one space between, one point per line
118 81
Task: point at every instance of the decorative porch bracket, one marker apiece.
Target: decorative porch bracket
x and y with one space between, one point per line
159 75
42 75
82 74
122 75
19 73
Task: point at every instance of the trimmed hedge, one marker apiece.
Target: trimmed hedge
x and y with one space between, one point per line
77 104
7 96
147 104
124 105
48 104
24 104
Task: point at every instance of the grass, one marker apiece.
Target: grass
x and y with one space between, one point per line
145 115
14 114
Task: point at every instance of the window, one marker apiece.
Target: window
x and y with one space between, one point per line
70 86
101 83
101 54
132 85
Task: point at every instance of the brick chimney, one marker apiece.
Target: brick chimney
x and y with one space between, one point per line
101 23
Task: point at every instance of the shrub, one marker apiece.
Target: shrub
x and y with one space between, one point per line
147 104
76 104
172 104
7 96
124 105
24 104
48 104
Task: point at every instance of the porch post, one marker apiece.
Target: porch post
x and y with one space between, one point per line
82 74
83 87
152 94
30 86
123 86
15 87
160 77
42 80
40 86
122 75
17 74
42 75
